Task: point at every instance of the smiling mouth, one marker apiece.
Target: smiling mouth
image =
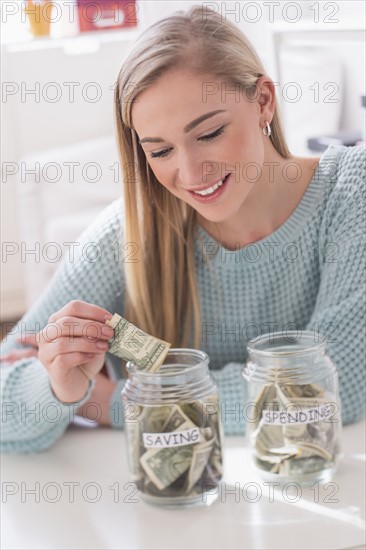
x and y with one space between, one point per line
210 190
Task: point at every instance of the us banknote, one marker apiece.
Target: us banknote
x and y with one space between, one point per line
133 344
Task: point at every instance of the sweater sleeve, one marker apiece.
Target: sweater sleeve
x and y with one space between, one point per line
32 418
339 311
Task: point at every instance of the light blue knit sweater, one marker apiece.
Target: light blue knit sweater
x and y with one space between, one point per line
308 274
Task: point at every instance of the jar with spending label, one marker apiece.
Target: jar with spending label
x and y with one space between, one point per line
293 415
174 431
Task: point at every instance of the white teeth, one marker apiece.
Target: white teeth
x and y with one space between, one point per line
210 190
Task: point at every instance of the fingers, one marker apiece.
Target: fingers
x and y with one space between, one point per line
62 349
82 310
74 327
74 335
70 327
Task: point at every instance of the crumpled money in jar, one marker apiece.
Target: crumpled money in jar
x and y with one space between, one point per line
296 430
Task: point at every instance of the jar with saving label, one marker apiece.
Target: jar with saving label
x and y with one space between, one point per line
174 431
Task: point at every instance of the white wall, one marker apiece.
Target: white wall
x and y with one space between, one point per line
33 123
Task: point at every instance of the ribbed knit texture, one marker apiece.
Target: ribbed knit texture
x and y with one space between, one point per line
309 274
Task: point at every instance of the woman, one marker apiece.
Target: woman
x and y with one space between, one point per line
222 235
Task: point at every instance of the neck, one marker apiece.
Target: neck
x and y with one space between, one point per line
270 202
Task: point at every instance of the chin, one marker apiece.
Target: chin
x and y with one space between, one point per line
219 216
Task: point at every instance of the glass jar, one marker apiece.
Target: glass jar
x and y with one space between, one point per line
293 417
174 431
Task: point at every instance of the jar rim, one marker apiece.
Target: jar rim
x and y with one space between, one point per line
202 356
273 339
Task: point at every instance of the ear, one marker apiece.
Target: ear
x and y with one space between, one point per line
266 99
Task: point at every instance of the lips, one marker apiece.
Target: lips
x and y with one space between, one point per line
209 190
217 191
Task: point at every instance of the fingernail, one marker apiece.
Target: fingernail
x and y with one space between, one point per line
108 317
102 345
107 331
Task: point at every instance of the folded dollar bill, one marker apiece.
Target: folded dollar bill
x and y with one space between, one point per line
133 344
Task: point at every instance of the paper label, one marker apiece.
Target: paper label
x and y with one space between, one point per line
298 416
172 439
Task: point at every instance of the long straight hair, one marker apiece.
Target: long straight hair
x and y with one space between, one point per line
161 290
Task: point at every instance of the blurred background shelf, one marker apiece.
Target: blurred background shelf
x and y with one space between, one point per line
79 41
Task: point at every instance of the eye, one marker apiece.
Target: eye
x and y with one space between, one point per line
208 137
159 154
213 135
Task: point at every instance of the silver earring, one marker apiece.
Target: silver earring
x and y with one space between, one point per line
267 130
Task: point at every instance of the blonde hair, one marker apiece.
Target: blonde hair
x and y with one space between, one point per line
161 290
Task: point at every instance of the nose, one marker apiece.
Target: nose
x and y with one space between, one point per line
190 170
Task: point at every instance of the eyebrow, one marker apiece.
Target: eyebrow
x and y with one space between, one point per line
186 128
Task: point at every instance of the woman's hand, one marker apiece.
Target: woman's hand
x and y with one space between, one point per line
72 348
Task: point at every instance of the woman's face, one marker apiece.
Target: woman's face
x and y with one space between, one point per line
192 160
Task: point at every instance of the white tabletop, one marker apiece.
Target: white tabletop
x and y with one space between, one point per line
82 499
